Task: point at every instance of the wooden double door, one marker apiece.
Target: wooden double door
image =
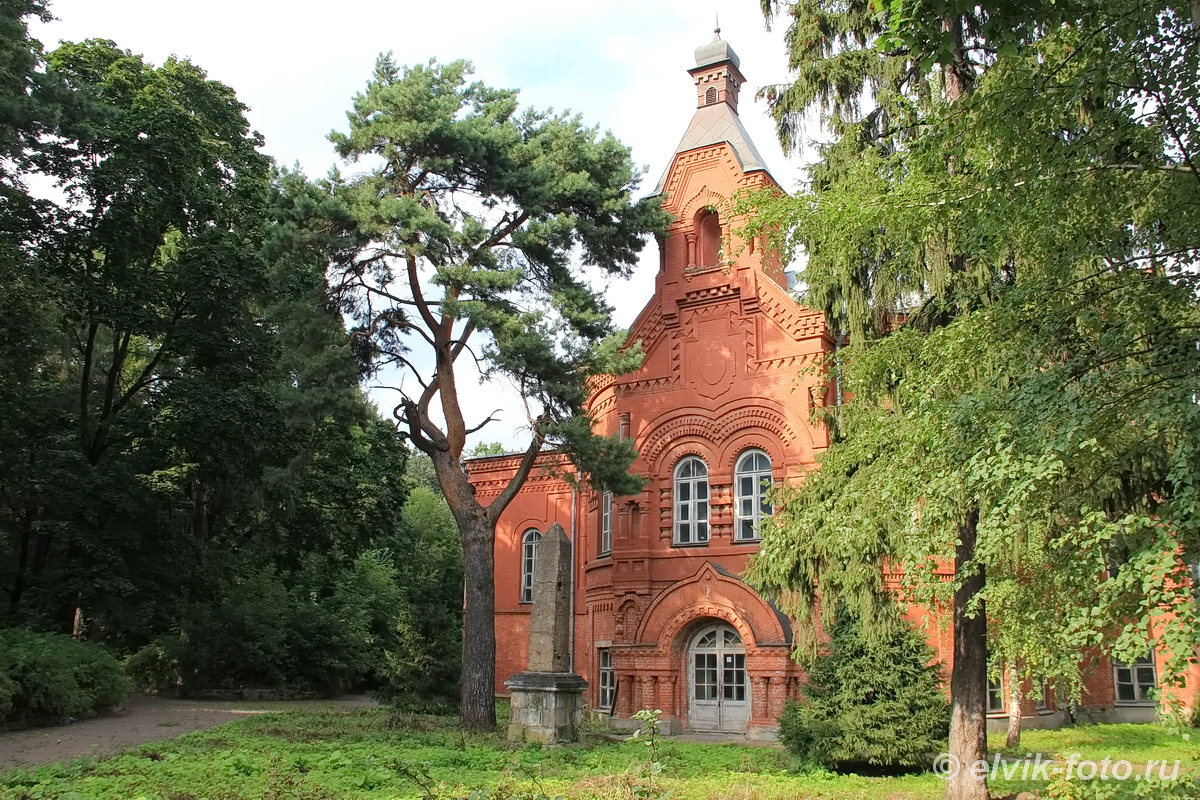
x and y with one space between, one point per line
718 688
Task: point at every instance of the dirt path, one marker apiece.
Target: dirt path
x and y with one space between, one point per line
145 719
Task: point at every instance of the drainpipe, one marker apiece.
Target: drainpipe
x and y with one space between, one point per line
574 573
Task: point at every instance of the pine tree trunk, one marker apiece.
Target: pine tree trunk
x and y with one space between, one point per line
968 678
478 700
1013 740
477 531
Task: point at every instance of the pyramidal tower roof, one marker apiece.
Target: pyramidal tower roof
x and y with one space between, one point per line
718 78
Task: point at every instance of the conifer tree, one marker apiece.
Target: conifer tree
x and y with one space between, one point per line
869 700
474 218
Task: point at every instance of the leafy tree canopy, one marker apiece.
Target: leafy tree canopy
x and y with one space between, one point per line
1005 225
472 219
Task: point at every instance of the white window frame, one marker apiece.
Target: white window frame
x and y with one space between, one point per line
607 680
761 479
692 512
1042 701
1142 691
995 689
529 548
606 526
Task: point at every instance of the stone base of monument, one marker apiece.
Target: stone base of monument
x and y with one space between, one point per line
546 707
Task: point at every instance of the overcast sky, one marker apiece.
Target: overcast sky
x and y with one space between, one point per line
622 64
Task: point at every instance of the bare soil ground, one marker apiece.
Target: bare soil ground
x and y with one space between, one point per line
144 719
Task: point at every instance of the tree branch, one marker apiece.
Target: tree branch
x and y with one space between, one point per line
414 283
490 418
518 479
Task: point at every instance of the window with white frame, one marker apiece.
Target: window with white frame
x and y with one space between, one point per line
606 507
995 697
1042 699
691 501
529 548
608 680
752 479
1136 682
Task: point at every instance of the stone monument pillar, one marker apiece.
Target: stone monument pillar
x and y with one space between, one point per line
547 698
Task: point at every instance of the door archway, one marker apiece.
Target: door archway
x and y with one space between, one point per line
718 688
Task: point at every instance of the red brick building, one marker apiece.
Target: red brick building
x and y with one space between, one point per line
719 408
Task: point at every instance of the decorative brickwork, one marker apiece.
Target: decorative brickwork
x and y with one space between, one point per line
727 352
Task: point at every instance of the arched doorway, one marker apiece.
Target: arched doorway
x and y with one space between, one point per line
718 690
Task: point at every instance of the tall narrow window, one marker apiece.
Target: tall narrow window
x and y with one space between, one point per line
1136 681
608 680
995 697
691 501
708 229
606 503
529 548
752 478
1041 701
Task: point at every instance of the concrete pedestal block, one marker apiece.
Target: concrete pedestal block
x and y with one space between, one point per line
545 707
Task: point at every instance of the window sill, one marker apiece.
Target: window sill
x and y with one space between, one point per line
689 544
756 540
605 554
1135 703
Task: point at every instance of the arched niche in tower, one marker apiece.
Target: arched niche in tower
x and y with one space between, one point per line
708 238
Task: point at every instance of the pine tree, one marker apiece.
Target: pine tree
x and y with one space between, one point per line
475 219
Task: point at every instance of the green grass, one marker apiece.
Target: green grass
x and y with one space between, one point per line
369 754
1136 743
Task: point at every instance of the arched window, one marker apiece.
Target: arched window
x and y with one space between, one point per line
710 96
691 501
751 479
529 548
605 523
708 230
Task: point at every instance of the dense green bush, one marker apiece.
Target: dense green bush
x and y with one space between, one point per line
157 665
869 701
53 674
8 691
327 627
421 670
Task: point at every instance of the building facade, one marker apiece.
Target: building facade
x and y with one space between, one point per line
718 411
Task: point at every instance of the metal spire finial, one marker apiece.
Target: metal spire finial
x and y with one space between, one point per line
717 29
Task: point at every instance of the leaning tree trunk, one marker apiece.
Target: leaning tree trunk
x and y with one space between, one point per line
478 699
968 677
1013 739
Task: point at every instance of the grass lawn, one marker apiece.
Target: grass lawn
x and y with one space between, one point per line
1136 743
370 753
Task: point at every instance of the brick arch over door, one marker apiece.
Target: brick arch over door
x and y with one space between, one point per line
714 593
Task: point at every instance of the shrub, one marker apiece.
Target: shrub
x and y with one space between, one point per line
53 674
8 691
326 627
157 665
869 701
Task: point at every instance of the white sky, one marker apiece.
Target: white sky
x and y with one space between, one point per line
622 64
